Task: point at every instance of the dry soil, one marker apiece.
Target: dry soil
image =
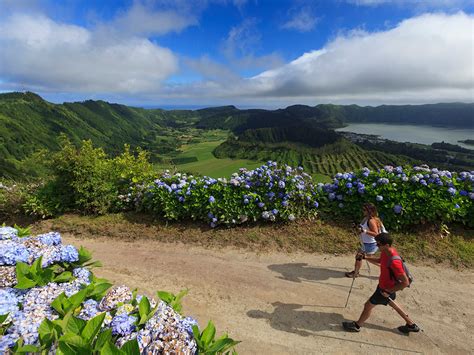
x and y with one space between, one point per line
278 303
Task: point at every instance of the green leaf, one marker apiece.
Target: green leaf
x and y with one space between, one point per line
102 338
58 304
84 255
110 349
99 290
27 349
166 297
197 337
75 325
63 277
144 309
222 345
74 342
92 327
208 334
131 347
3 318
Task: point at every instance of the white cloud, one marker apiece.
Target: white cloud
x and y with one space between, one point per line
429 55
241 45
416 4
41 54
144 20
429 58
302 20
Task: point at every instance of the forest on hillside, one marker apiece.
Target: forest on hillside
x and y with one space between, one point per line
299 135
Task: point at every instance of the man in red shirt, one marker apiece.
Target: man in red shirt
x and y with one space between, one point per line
388 286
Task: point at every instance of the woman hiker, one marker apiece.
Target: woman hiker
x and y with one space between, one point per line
370 226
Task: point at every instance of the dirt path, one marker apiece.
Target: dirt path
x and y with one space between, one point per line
293 303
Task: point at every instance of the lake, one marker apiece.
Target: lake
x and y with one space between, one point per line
412 133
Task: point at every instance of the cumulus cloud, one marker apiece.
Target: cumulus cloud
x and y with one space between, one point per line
429 58
427 55
41 54
301 20
141 19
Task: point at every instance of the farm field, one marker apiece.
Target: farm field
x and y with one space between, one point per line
197 158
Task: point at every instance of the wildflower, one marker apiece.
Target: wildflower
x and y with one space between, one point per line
291 217
212 199
379 198
397 209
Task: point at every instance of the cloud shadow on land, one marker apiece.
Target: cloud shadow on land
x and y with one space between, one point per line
291 318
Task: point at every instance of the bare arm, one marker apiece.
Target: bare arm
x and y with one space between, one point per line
373 259
402 283
373 228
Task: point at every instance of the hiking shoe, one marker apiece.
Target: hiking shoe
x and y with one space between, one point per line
405 329
352 274
351 327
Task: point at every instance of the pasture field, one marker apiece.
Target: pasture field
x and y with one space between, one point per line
197 158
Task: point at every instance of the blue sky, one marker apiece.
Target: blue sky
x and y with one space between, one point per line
243 52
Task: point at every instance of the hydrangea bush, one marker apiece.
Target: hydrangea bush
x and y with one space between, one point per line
403 196
50 301
267 193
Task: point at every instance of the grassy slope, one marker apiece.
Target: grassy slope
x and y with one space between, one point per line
207 163
423 246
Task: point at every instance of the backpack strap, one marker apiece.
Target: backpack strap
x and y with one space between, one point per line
394 257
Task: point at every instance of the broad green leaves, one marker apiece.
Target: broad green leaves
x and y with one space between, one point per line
208 345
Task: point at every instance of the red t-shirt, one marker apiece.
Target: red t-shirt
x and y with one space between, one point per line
385 281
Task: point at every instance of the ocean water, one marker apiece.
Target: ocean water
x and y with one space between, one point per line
412 133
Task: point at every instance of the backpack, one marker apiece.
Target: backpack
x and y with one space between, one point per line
405 268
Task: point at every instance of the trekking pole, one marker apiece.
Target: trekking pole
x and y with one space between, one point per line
350 290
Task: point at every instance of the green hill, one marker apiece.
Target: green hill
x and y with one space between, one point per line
298 134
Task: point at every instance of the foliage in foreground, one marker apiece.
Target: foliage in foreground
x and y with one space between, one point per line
51 302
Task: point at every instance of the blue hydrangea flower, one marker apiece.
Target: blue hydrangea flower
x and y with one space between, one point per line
123 324
8 233
8 301
90 309
7 341
452 191
397 209
51 238
82 274
69 253
11 253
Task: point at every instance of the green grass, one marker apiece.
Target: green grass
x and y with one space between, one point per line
207 163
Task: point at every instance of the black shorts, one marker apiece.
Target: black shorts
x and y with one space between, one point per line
378 298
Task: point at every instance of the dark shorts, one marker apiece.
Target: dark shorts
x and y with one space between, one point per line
378 298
